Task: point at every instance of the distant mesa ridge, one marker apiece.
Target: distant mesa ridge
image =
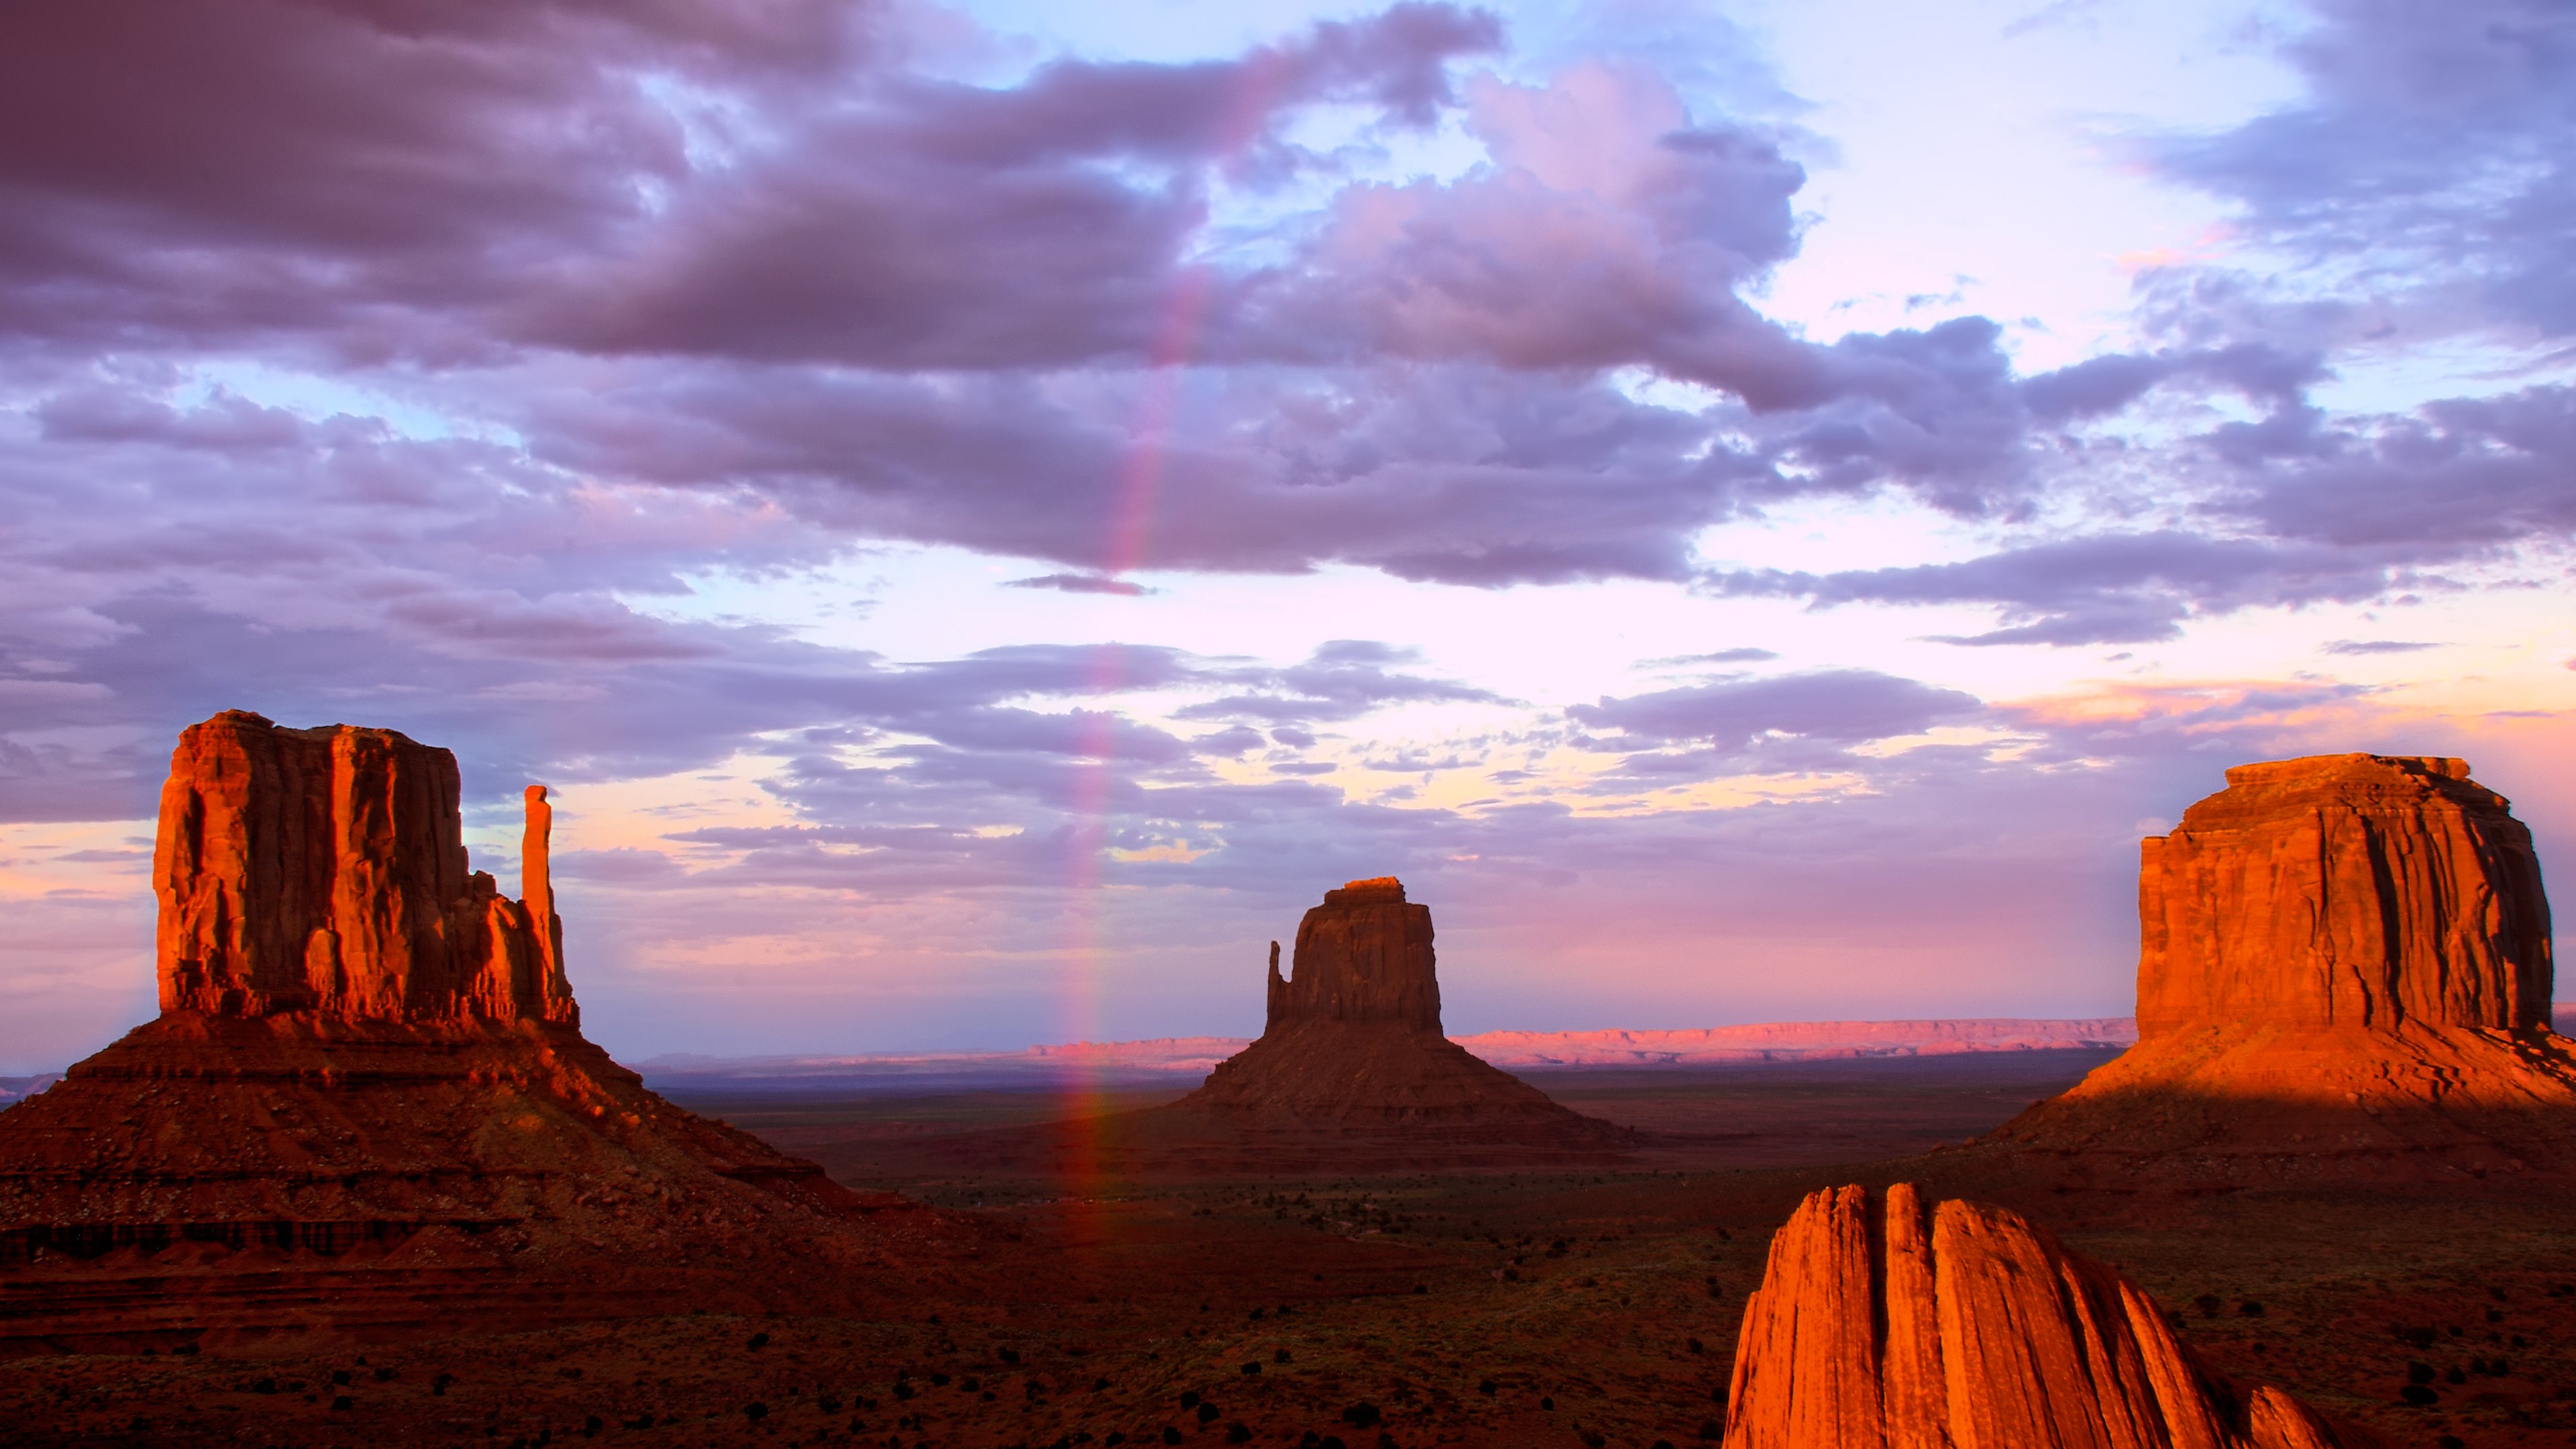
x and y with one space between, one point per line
1963 1326
2344 971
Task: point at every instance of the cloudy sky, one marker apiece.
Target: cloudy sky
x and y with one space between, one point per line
984 512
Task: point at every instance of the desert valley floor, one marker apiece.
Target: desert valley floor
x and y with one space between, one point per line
1589 1308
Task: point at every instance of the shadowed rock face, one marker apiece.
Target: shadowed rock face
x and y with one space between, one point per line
2344 890
1354 1044
2343 974
1363 955
1965 1327
324 870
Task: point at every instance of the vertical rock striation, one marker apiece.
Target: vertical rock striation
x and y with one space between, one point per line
2344 890
1965 1327
2344 970
325 870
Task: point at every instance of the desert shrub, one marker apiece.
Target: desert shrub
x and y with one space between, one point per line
1711 1430
1238 1432
2419 1395
760 1340
1361 1415
2250 1309
755 1411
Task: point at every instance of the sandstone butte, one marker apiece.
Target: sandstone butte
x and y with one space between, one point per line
2343 972
1965 1327
1351 1073
1352 1042
367 1102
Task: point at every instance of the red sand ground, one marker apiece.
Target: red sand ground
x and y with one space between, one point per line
1153 1288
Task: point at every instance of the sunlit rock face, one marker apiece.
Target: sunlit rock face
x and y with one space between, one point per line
324 870
2344 890
2344 973
1962 1326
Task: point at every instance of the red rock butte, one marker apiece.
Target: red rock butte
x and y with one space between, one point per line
1353 1038
2344 969
1966 1327
366 1103
1350 1074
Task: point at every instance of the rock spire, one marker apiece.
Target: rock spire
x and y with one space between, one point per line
1962 1326
324 870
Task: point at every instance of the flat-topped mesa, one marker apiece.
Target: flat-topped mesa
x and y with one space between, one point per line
2344 891
1363 955
324 870
1965 1327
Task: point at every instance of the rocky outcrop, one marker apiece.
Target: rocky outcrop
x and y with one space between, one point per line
2344 890
2343 971
1965 1327
1354 1032
1350 1074
324 870
366 1102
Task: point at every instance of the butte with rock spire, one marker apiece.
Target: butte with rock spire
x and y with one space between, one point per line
367 1102
2343 973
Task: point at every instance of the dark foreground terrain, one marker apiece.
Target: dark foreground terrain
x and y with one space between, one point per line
1567 1309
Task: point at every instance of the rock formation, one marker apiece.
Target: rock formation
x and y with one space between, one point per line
1351 1073
2344 968
1965 1327
1353 1038
324 870
366 1101
2343 890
